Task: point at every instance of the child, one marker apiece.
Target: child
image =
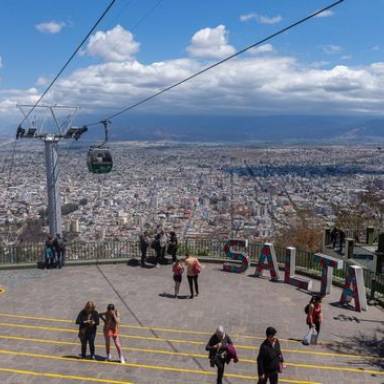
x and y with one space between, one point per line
178 270
111 329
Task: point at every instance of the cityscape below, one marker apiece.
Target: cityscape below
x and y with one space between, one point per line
197 190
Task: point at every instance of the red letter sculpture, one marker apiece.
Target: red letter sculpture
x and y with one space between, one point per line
354 278
242 256
327 263
268 260
289 272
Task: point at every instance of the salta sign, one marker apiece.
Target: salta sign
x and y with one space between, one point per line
354 287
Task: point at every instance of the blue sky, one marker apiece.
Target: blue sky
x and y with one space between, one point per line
336 58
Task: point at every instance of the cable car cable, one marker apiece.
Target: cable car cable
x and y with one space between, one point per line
69 60
273 35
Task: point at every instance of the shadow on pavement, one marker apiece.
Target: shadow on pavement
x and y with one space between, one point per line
370 347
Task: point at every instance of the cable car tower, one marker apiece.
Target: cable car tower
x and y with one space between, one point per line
63 130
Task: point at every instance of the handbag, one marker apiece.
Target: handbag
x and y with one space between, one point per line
310 337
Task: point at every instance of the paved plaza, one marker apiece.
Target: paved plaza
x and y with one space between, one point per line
164 338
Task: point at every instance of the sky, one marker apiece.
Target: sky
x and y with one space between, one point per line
331 65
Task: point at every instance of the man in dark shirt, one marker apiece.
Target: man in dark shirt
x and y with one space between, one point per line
270 358
144 243
217 346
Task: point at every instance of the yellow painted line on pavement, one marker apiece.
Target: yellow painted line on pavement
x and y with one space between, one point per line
202 356
339 369
145 366
238 346
160 329
61 376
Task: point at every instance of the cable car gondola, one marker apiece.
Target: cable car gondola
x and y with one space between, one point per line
99 158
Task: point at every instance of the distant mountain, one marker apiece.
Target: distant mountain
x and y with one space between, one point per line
249 128
280 129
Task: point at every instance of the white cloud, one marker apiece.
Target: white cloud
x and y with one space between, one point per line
331 49
261 19
326 13
210 43
41 80
50 27
250 84
117 44
265 48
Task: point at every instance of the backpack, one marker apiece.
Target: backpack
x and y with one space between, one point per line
306 309
196 267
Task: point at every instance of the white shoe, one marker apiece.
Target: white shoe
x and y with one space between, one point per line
109 357
122 360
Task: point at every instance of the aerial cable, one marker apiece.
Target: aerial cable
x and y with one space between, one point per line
55 79
69 60
260 42
149 12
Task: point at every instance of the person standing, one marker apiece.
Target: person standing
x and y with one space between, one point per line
157 247
217 347
178 271
111 320
144 243
172 245
315 315
270 359
163 245
59 246
193 269
49 252
88 320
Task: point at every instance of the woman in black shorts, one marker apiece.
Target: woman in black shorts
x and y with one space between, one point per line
178 270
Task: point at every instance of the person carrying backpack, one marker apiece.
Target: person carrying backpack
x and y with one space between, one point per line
193 270
314 316
221 351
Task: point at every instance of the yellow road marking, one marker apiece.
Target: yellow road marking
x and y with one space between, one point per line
333 368
245 347
203 356
145 366
160 329
60 376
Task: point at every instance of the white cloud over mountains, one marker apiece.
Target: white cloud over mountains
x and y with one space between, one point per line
210 43
261 82
51 27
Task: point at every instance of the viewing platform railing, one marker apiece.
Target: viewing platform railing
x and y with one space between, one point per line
109 251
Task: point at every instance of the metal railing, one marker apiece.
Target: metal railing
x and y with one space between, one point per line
79 251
